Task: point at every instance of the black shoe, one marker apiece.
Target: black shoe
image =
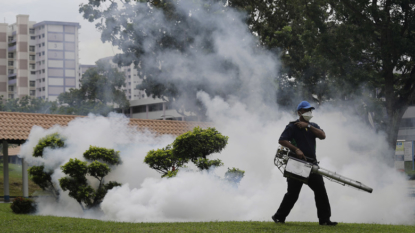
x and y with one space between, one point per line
328 223
277 220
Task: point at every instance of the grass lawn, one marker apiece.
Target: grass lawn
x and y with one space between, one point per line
15 181
10 222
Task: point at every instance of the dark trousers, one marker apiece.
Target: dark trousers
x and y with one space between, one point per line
316 184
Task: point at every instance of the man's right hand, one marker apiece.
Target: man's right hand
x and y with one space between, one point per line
300 154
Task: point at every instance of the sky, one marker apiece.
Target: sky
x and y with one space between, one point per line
91 47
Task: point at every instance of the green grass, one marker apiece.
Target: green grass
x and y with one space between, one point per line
15 181
10 222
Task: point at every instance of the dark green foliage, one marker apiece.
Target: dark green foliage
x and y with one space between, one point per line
40 177
194 146
199 143
163 161
205 164
76 182
52 141
22 205
234 175
109 156
38 174
341 50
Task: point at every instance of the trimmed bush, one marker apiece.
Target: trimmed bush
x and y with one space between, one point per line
23 205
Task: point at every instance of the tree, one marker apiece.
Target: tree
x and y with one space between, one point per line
164 162
27 104
353 47
196 145
379 36
154 34
100 86
192 146
41 175
234 175
100 159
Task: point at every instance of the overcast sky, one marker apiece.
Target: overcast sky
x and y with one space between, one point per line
90 46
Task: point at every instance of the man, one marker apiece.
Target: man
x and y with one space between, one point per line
300 137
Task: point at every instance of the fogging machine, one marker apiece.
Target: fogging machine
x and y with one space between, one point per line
297 169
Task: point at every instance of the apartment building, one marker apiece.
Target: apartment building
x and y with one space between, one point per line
38 59
17 58
141 105
57 58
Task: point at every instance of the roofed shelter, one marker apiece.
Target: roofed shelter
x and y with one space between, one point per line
15 128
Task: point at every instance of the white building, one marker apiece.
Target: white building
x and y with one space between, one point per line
141 105
41 58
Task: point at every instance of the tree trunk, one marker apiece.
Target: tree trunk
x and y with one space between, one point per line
395 110
393 124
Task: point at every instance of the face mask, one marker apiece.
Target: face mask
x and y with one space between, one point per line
307 115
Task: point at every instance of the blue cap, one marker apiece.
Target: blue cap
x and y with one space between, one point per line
304 105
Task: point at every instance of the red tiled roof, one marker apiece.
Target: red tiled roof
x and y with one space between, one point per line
17 125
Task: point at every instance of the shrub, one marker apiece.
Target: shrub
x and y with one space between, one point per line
39 176
193 146
163 161
22 205
77 183
234 175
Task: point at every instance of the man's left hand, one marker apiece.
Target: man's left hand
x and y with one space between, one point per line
301 124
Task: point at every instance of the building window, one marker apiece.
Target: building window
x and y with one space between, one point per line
10 63
11 96
43 35
11 55
32 92
40 45
43 62
43 88
155 107
32 57
11 88
32 66
43 44
129 70
43 53
40 54
33 37
31 48
32 83
32 31
43 71
43 79
39 37
33 72
10 38
11 71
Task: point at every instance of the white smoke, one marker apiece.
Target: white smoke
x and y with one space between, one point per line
204 196
253 125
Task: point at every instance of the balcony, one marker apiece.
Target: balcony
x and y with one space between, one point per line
12 74
12 82
12 49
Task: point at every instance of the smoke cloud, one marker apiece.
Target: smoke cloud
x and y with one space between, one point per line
253 124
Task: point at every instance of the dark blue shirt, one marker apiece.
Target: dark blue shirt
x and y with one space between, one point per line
303 138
